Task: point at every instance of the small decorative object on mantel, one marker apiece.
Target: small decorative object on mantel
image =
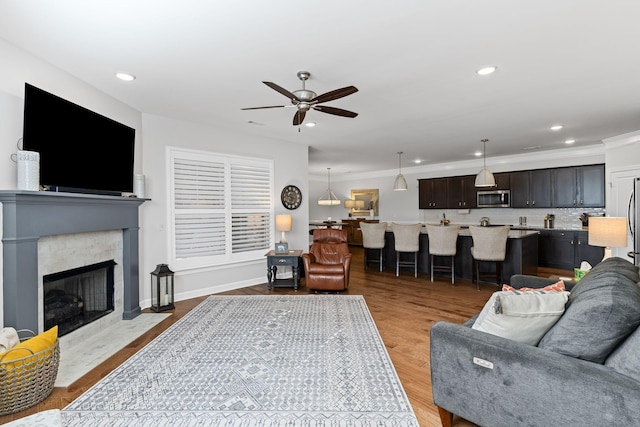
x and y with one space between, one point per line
162 288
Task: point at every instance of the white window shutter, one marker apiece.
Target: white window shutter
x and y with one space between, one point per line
222 208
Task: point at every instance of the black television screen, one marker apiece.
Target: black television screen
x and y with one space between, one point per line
80 150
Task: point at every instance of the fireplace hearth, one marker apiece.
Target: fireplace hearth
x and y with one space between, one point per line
76 297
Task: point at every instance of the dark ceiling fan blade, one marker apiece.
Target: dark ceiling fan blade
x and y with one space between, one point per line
298 118
282 91
335 111
259 108
335 94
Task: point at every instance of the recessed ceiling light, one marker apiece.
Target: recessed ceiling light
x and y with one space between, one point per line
125 76
570 141
486 70
556 127
310 124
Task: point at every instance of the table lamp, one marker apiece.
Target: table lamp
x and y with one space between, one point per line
352 204
283 223
609 232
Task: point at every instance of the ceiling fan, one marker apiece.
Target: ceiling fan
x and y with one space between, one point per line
304 100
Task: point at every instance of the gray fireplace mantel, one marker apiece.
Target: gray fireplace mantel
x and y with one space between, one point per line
29 215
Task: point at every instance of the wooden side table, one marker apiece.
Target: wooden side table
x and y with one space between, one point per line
274 261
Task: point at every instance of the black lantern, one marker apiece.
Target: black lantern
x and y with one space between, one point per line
162 288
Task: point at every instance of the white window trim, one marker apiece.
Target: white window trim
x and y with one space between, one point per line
182 264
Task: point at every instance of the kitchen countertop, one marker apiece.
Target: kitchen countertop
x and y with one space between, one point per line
464 231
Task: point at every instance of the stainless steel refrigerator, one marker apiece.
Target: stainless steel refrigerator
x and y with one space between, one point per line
633 217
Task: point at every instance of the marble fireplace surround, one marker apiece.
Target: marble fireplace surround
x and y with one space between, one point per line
29 215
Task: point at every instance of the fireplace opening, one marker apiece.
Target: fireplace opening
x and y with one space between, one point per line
76 297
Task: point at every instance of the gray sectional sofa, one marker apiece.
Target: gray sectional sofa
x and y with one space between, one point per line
585 371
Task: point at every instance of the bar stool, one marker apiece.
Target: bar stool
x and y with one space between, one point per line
407 239
373 239
489 245
442 242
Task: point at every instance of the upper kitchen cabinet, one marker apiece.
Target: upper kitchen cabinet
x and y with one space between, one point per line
580 186
432 193
531 189
503 181
461 192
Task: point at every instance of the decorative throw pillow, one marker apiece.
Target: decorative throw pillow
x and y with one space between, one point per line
556 287
31 346
521 316
603 309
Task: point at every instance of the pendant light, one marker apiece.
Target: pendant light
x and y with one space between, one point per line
328 198
485 178
400 184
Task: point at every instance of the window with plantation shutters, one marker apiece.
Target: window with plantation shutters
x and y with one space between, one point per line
221 208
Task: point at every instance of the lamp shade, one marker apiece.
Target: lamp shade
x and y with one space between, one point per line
400 184
610 232
485 178
349 203
283 222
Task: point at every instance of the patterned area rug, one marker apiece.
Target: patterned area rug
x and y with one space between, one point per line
294 360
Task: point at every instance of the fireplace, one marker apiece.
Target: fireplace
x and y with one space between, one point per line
32 218
74 298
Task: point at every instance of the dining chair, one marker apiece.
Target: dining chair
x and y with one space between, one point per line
407 240
442 243
489 246
372 240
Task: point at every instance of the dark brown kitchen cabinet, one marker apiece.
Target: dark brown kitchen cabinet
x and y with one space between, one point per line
432 193
566 249
461 192
591 186
531 189
503 181
580 186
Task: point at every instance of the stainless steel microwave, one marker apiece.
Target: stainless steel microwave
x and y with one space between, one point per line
494 199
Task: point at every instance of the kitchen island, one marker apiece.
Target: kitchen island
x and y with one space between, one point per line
521 256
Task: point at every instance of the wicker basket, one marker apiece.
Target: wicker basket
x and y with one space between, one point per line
29 380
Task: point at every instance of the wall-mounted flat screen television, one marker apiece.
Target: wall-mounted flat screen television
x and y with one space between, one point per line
80 150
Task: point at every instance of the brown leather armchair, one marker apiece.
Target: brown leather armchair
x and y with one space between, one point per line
328 262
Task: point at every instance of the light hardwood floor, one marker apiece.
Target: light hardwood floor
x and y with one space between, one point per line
403 308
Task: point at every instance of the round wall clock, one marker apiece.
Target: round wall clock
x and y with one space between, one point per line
291 197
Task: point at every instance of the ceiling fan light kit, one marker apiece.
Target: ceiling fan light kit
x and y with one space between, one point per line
305 100
328 198
485 178
400 184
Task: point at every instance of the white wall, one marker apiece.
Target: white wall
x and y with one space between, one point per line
290 167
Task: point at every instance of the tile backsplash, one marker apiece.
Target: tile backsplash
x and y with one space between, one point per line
566 218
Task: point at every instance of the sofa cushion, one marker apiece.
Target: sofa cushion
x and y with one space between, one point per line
521 316
625 359
603 309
